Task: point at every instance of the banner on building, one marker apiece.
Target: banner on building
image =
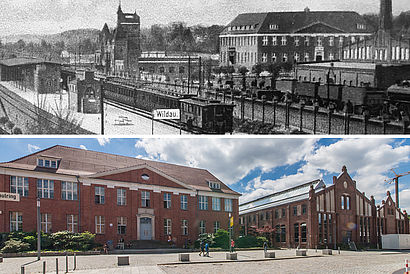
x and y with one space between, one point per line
7 196
166 114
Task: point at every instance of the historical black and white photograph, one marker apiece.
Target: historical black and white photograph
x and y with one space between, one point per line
204 67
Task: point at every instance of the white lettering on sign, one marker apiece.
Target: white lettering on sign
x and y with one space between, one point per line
6 196
166 114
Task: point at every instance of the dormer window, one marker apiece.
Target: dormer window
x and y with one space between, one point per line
214 185
273 27
361 26
48 163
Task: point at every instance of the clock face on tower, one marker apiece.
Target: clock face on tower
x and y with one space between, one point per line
345 184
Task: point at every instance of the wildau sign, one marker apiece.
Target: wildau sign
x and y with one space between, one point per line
166 114
6 196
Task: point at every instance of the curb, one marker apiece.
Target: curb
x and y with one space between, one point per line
241 261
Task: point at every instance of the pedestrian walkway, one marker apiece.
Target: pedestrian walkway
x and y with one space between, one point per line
122 270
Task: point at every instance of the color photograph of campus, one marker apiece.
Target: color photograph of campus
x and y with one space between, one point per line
209 205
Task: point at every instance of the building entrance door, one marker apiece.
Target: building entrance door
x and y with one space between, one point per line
145 229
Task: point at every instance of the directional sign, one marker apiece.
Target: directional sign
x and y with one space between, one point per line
166 114
7 196
231 222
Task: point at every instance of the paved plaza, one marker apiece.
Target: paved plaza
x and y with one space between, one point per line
248 262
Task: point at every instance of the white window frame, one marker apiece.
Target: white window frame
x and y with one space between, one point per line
167 226
273 27
216 204
45 192
284 41
202 227
217 226
121 196
274 40
274 58
145 199
203 202
99 191
264 57
48 163
331 41
46 222
167 200
72 223
16 221
184 202
19 185
184 227
228 205
69 191
121 222
99 225
265 41
297 41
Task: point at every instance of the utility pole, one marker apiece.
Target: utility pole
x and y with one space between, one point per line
396 181
38 230
102 105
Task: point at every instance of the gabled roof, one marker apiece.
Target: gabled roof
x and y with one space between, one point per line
81 162
291 22
21 61
290 195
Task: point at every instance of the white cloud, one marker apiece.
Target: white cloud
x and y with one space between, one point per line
83 147
228 159
32 148
103 141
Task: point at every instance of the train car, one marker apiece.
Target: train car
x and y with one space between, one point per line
399 96
210 116
363 98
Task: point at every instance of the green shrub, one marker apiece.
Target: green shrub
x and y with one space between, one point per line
61 240
205 238
32 241
14 246
250 241
221 239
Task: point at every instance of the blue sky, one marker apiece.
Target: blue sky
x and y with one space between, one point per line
257 166
52 16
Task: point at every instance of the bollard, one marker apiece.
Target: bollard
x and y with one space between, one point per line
338 250
75 261
66 263
316 249
407 266
44 267
22 269
57 265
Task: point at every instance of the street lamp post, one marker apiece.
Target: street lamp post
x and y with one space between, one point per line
38 230
328 82
230 232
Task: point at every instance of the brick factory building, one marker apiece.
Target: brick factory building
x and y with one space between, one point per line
114 196
289 37
314 214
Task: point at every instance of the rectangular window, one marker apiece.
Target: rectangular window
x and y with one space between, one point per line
203 202
121 197
331 41
122 225
284 41
304 209
228 205
217 225
283 234
184 227
283 213
276 214
216 204
167 226
69 191
202 227
307 41
297 41
275 40
303 232
45 189
342 200
167 200
295 211
99 195
265 41
184 202
99 224
45 222
16 221
19 185
72 223
296 229
145 199
264 57
347 202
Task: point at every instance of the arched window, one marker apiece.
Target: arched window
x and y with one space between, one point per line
303 232
342 200
348 202
296 229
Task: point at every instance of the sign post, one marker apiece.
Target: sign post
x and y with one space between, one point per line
38 231
166 114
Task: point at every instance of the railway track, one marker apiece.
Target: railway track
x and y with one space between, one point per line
147 114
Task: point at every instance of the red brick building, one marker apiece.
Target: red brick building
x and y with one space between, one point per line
314 214
114 196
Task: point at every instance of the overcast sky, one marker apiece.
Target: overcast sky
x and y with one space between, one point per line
257 167
53 16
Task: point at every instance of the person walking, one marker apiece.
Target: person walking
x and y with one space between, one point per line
207 250
232 245
201 247
265 246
